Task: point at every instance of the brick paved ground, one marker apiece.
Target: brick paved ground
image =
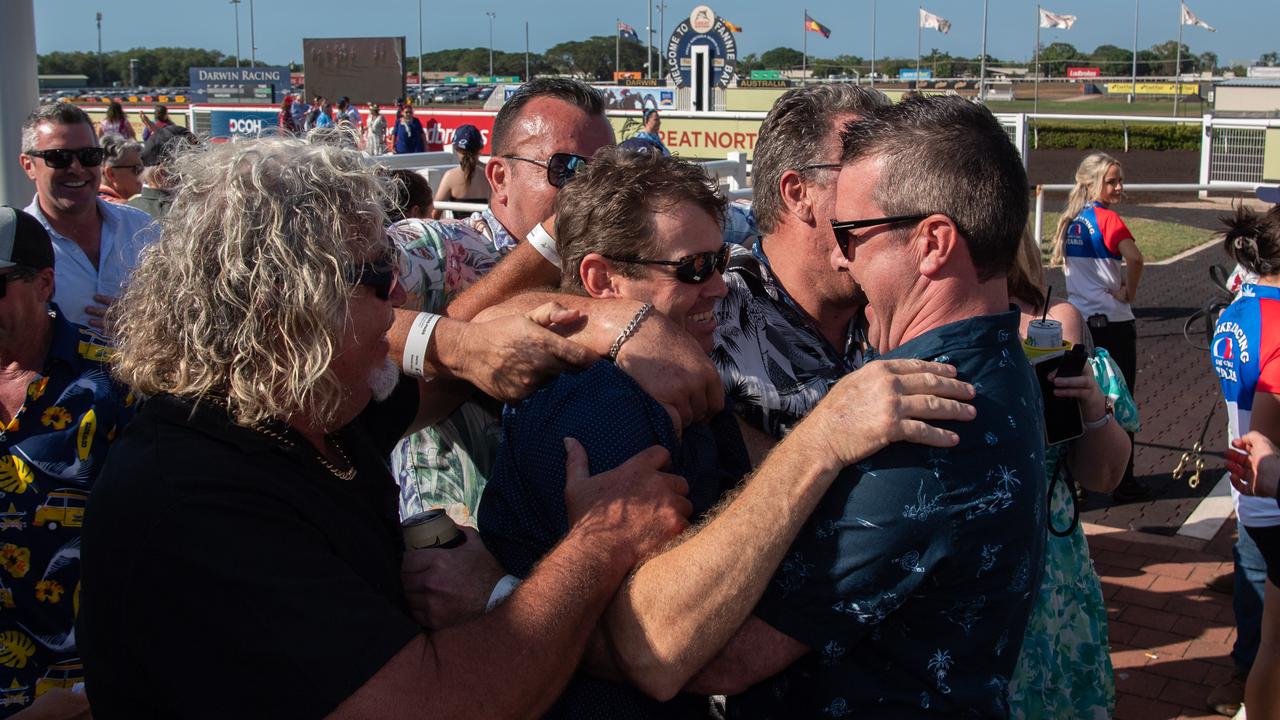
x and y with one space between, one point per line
1170 635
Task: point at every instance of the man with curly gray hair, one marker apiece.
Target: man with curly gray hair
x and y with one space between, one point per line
244 534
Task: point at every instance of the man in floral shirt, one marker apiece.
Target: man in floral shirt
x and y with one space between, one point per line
59 412
790 326
447 464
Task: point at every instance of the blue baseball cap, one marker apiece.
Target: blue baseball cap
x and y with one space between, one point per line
1268 193
468 138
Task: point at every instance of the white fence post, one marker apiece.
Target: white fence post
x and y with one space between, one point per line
1206 153
738 180
1039 224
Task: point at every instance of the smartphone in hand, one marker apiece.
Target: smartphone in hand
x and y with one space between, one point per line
1062 417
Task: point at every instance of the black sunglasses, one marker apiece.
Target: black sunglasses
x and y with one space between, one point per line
692 269
841 228
59 159
561 167
19 273
381 277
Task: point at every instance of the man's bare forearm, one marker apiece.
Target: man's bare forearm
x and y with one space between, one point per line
681 606
513 662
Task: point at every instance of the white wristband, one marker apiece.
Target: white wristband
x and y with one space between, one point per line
501 591
542 241
415 345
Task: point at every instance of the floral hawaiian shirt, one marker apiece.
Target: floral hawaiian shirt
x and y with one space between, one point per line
446 465
50 454
774 364
912 581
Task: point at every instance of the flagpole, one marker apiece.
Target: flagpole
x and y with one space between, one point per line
1133 92
918 46
617 46
982 65
1177 66
804 58
873 43
648 42
1036 107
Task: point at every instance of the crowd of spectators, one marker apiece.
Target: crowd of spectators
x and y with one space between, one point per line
708 459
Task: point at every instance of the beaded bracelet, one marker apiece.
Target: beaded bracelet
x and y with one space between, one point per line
629 330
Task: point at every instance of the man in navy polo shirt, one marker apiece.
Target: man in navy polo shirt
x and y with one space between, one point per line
907 592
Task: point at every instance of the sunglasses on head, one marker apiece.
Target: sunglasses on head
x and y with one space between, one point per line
561 167
59 159
381 277
692 269
18 273
841 228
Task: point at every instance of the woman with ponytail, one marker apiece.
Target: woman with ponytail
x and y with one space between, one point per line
1246 357
1103 266
463 183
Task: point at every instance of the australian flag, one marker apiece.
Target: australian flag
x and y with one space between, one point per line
627 32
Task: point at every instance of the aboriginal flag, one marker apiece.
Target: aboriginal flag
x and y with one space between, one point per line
731 26
811 25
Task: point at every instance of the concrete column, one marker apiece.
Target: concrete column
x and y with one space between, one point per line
18 96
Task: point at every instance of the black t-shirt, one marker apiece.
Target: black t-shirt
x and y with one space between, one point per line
226 576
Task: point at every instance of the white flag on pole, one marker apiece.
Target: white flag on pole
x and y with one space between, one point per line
1054 20
1190 18
929 20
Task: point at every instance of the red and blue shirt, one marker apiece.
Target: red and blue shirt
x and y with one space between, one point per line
1094 266
1246 358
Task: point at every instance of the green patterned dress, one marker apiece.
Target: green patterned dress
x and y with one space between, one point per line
1065 670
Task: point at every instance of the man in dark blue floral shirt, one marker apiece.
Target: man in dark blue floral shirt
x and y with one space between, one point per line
908 589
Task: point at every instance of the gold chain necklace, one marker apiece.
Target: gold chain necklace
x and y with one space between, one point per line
333 439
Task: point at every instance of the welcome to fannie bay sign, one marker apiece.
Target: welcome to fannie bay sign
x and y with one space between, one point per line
703 27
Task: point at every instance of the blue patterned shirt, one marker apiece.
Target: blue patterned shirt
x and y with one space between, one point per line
912 581
50 454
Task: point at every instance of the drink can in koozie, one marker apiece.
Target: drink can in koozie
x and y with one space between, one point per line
431 529
1044 334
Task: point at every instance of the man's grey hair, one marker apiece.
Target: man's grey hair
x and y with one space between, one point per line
946 155
575 92
117 146
797 132
54 114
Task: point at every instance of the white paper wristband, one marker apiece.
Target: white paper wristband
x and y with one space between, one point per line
542 241
502 591
415 345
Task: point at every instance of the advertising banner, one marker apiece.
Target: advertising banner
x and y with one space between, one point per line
698 139
235 85
1084 72
225 124
911 74
619 97
1151 88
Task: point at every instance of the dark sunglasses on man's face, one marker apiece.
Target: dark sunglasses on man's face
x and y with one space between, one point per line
692 269
841 228
60 159
561 167
20 273
380 277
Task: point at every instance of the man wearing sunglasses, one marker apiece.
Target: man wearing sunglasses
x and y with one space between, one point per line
97 243
60 411
541 137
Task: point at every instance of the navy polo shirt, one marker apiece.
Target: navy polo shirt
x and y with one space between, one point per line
912 581
522 514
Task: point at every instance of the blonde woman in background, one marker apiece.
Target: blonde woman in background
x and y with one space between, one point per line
1103 266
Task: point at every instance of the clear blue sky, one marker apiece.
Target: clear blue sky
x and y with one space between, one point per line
1245 28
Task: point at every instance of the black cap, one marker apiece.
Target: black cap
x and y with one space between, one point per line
161 146
23 240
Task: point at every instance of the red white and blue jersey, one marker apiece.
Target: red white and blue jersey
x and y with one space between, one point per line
1094 266
1246 358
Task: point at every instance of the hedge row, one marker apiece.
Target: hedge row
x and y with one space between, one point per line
1110 136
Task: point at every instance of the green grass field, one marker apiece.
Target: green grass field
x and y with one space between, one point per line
1157 240
1104 106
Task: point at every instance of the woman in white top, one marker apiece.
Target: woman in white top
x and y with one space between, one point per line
116 123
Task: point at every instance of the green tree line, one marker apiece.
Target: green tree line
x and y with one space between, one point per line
594 58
